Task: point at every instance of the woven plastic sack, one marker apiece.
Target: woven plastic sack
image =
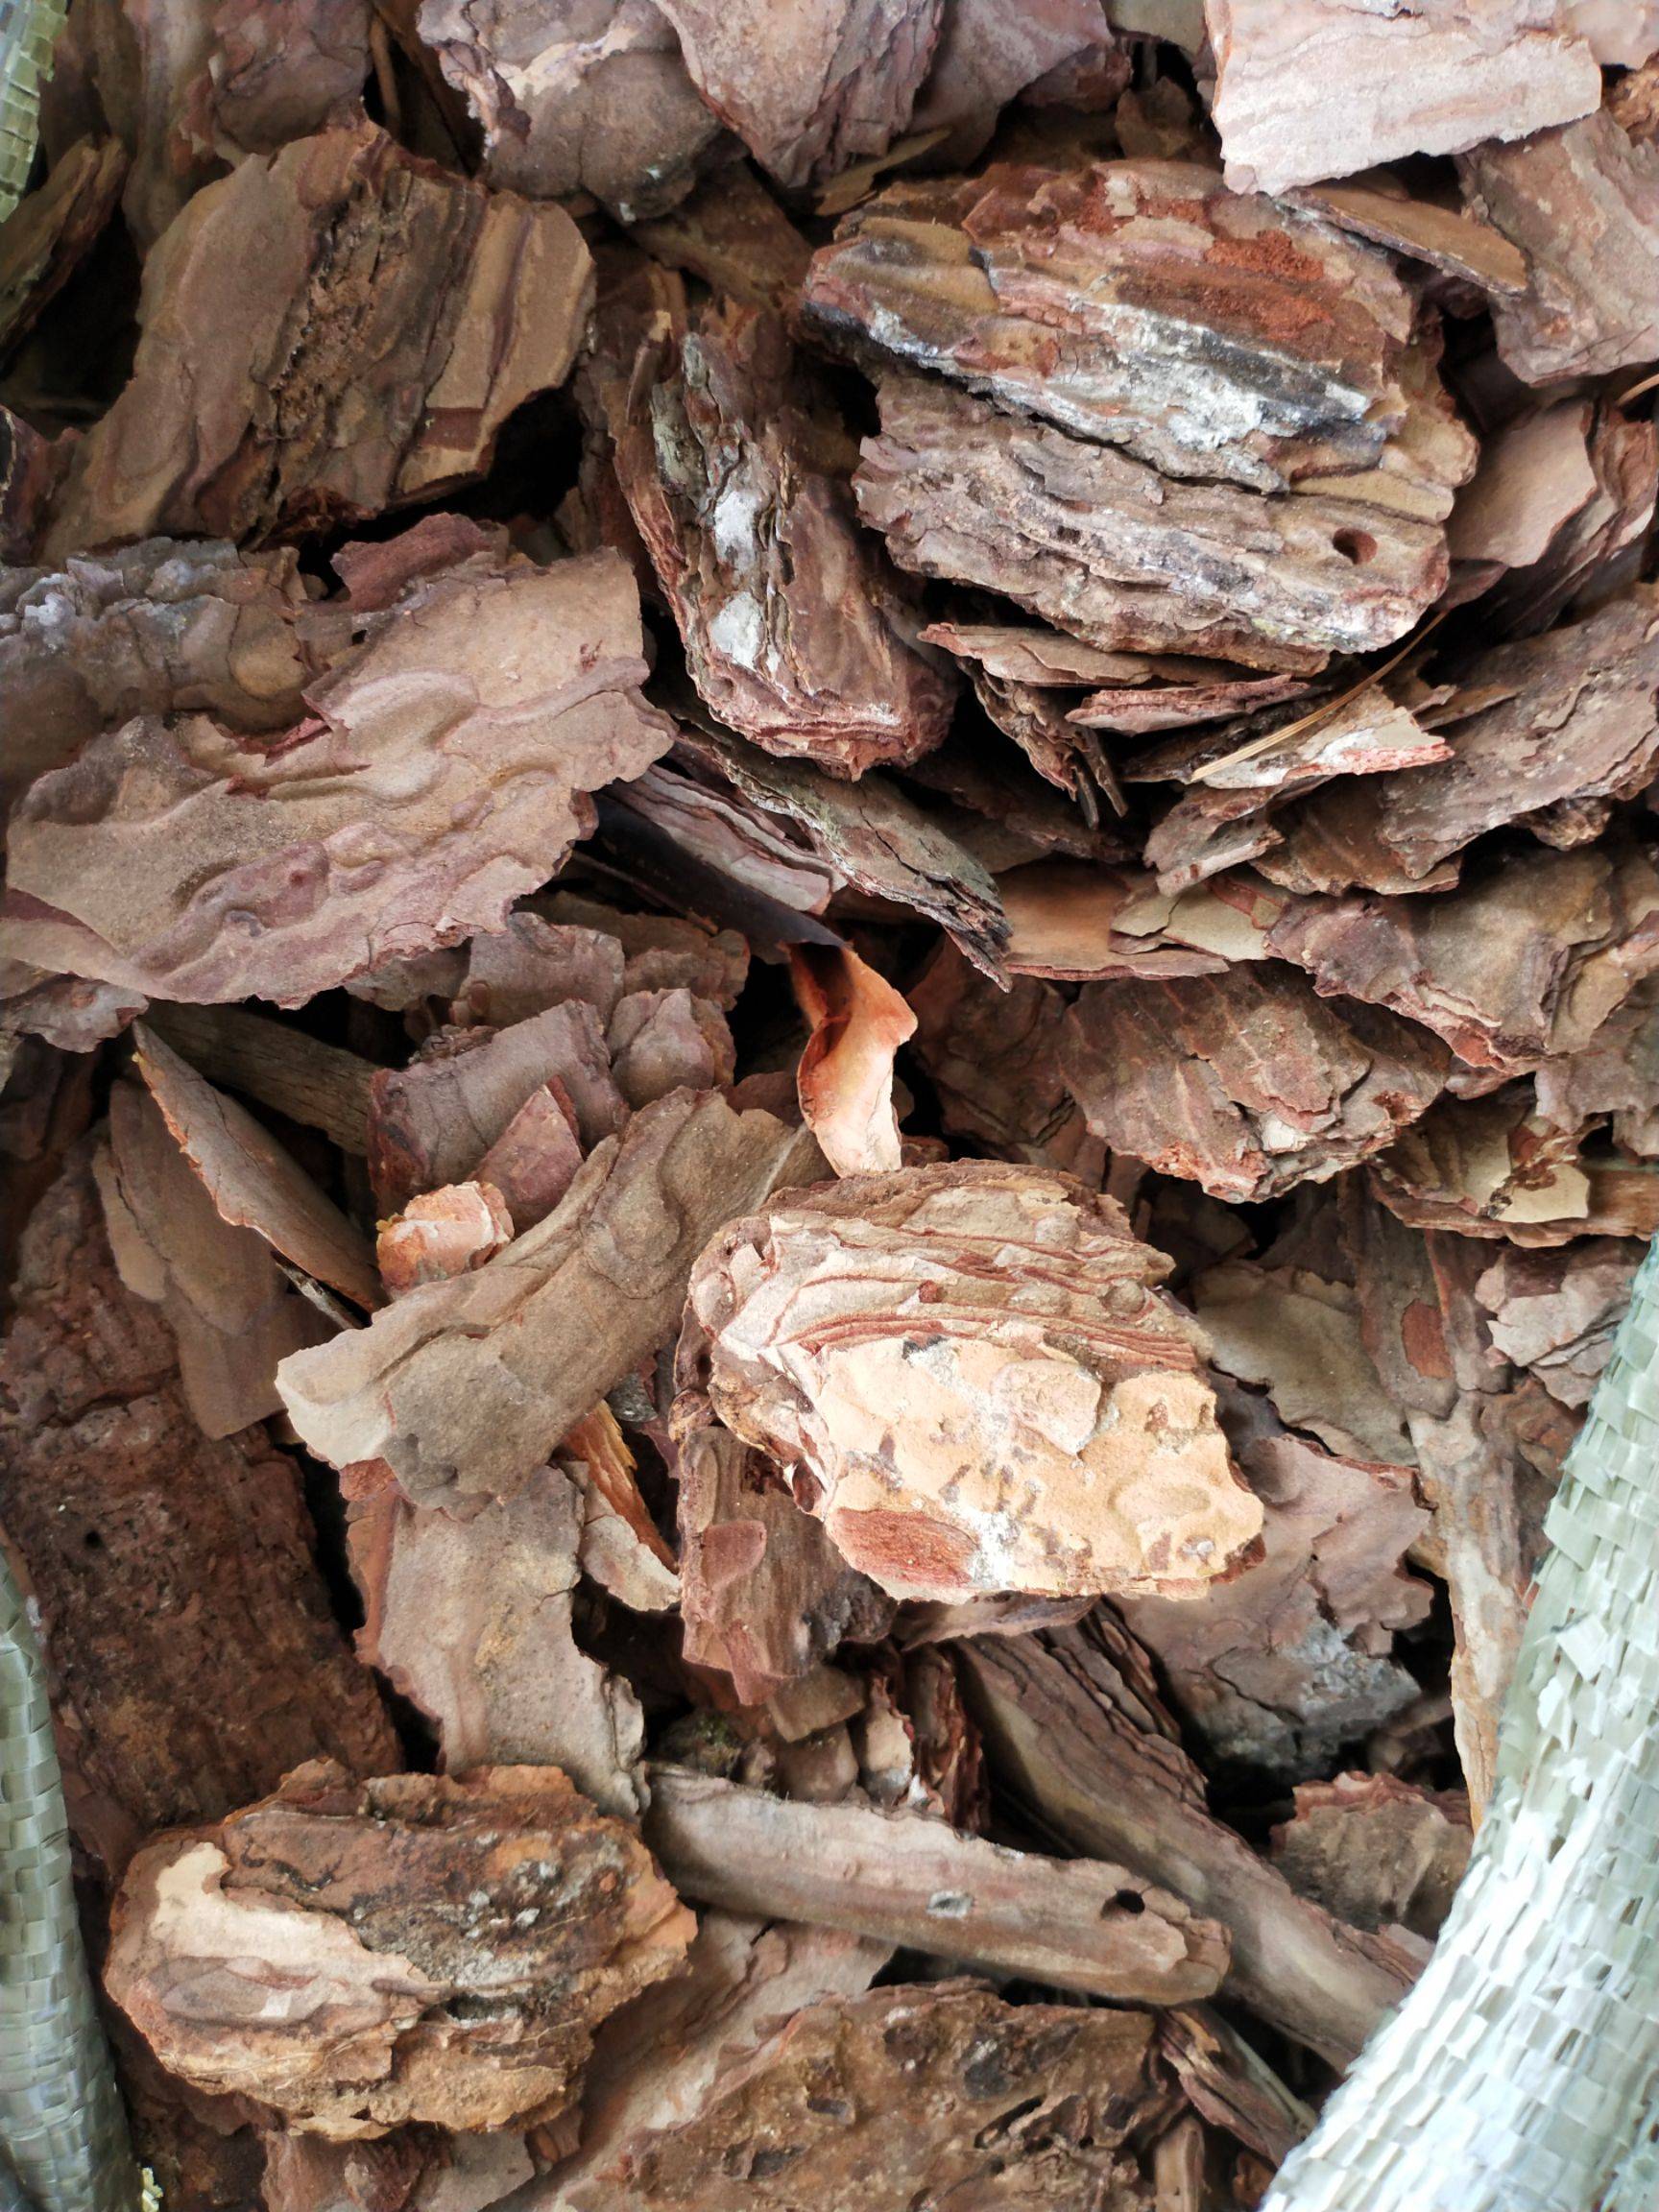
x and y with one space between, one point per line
1522 2073
62 2131
27 30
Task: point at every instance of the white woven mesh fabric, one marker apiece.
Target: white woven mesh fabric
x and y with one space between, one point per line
61 2125
27 29
1522 2074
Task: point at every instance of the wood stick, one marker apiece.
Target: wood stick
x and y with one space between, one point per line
905 1878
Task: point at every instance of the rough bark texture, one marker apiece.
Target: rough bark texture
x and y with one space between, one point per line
576 96
233 1313
190 1648
816 87
1308 90
956 1431
1283 1666
1095 541
960 1089
1258 346
765 1594
908 1878
964 2069
1090 1750
174 855
1248 1081
1583 203
231 424
158 626
794 628
465 1387
359 1955
472 1620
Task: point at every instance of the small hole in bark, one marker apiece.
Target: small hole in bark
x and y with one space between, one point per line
92 1541
1355 546
1130 1901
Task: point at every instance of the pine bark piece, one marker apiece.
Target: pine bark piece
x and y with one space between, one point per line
764 1594
910 1879
277 73
1583 203
233 1313
1376 1851
663 1041
1633 100
471 1620
192 1653
1063 915
655 2062
1597 550
32 469
876 834
413 2170
1534 476
66 1012
448 307
1206 833
1370 735
732 234
466 1388
844 1075
576 96
1615 1073
1621 36
1555 1313
1575 716
126 865
192 87
1429 1332
1069 1726
47 236
988 55
695 818
1230 2084
1099 544
456 1944
809 2118
1306 90
1020 653
1247 1082
1236 807
660 951
794 634
1455 244
621 1548
1300 1336
994 1059
155 628
1521 965
1143 306
435 1121
252 1182
875 1339
1035 717
814 86
1280 1668
441 1234
511 974
441 306
1138 710
320 1085
1494 1166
